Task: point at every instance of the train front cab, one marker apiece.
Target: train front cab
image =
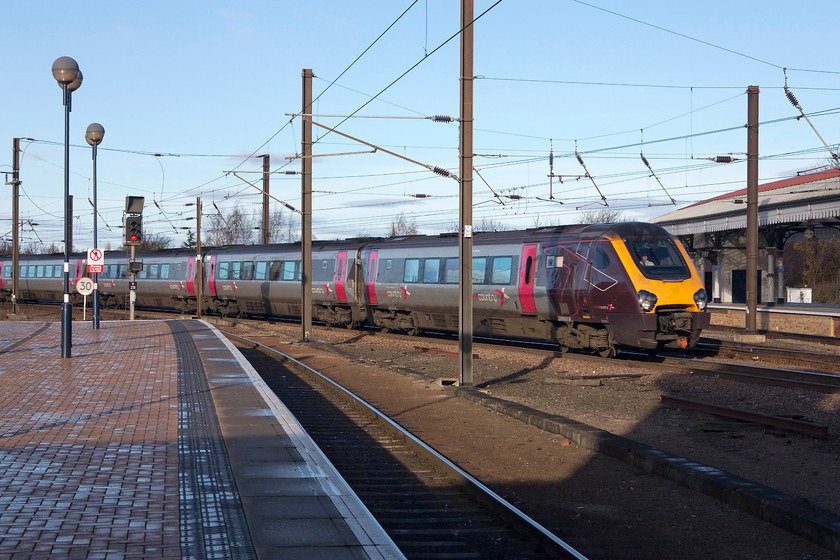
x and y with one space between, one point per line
671 300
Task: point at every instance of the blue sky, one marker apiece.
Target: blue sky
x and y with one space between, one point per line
207 84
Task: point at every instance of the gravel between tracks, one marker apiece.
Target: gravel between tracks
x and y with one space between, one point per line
627 513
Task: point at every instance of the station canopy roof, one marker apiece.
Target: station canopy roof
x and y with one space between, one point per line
800 200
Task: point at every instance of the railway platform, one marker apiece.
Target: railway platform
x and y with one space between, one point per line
818 320
156 439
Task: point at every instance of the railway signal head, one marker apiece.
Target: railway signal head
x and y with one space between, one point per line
133 230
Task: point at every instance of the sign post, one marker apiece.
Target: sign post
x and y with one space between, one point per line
85 287
95 266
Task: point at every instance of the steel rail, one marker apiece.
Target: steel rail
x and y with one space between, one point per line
791 424
511 511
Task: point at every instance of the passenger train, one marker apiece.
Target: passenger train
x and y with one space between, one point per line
594 287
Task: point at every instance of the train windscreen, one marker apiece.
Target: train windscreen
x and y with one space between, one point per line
658 258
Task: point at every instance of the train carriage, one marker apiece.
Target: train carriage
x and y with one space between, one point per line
411 284
41 277
265 280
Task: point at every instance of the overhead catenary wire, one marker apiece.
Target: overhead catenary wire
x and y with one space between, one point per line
290 121
416 64
701 41
653 174
795 103
432 168
580 160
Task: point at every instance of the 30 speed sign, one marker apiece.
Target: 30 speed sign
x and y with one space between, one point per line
84 286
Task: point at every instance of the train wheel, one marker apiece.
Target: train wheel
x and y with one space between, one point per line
563 348
608 352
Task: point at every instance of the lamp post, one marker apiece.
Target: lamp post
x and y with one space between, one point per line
93 135
66 72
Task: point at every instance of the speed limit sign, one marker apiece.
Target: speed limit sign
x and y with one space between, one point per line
84 286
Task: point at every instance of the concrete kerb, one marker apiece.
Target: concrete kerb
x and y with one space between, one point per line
795 515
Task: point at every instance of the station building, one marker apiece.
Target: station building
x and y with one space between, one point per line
714 232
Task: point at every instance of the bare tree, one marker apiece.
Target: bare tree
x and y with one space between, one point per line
601 216
487 224
403 225
230 228
283 227
155 241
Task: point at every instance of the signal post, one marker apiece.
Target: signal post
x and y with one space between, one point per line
133 237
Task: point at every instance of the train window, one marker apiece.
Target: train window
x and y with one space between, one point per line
289 270
164 272
144 272
236 271
154 271
412 270
22 273
450 271
248 270
39 271
31 272
123 271
339 273
259 270
501 270
223 271
479 274
529 269
274 271
57 271
7 271
431 271
602 259
658 258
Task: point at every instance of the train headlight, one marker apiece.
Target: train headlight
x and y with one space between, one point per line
701 299
647 300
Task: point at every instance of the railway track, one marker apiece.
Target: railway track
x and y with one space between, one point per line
733 350
430 507
823 381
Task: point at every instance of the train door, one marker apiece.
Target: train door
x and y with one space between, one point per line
340 276
582 280
370 279
211 276
527 273
79 270
190 280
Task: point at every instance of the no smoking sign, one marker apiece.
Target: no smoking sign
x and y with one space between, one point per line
95 261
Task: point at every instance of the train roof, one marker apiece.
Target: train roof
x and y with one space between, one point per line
533 235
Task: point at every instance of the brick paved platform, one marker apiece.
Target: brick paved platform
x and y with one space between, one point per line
157 440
